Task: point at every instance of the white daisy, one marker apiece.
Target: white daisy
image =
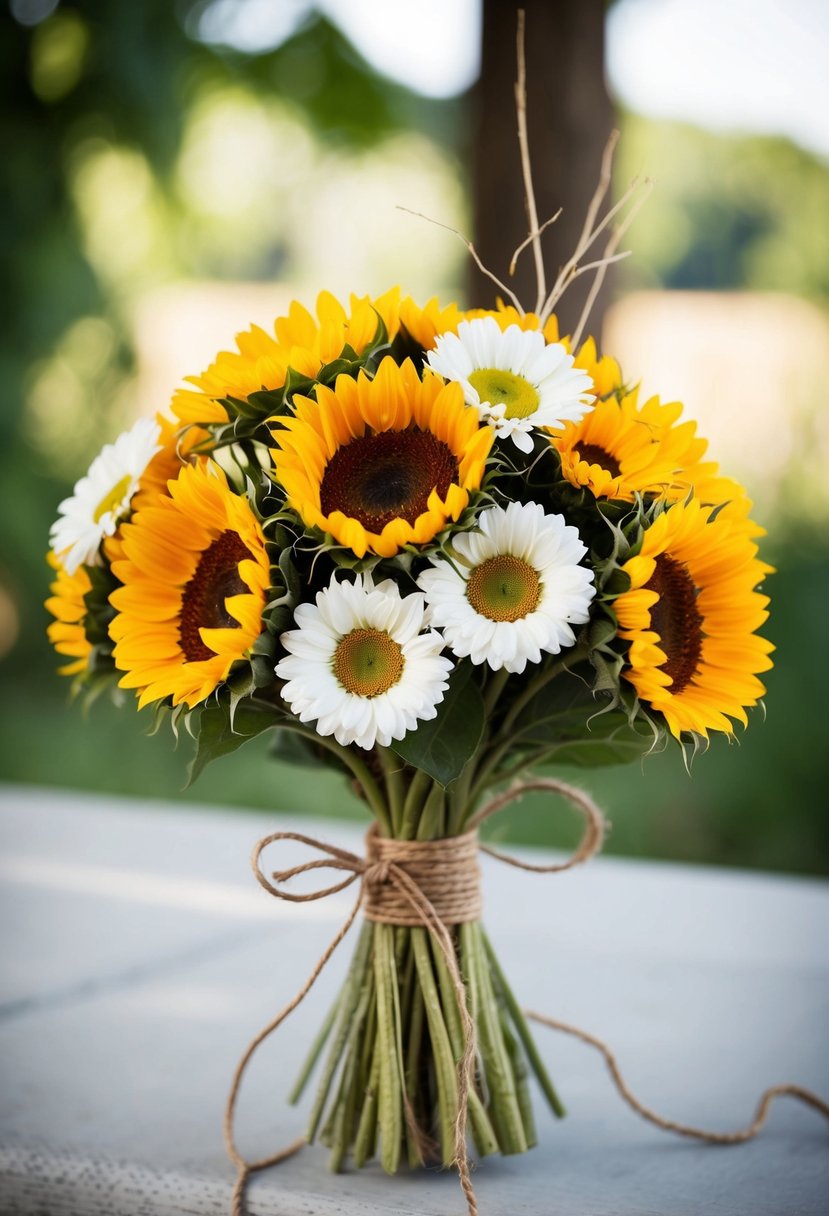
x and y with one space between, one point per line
515 379
102 498
359 664
514 590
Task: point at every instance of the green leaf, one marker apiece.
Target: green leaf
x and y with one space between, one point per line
577 727
215 736
443 746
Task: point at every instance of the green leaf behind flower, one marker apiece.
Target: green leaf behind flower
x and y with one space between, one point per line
578 728
220 729
443 746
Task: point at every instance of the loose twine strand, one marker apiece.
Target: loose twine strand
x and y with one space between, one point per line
433 885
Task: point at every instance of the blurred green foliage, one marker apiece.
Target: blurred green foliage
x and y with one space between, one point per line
731 212
125 77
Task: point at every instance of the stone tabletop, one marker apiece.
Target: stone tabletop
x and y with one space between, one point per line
139 956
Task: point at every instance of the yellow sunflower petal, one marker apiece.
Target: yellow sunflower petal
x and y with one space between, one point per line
694 656
174 631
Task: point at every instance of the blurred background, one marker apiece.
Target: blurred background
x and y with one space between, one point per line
172 172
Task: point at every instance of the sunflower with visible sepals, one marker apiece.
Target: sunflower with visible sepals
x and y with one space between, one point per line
300 341
195 577
381 464
690 617
67 631
621 449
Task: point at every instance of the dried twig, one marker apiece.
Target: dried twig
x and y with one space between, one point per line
610 256
590 234
473 253
534 237
529 240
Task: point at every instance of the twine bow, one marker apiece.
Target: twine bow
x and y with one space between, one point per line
388 887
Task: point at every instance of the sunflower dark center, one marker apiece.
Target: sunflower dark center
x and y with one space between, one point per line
390 475
592 453
203 600
677 620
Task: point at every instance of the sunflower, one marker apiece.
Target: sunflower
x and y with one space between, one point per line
299 340
603 370
690 617
621 448
506 315
195 576
382 463
67 632
427 323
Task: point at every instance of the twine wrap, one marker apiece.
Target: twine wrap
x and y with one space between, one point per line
445 871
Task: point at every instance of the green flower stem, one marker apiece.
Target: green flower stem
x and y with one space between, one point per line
521 1074
486 1141
495 686
504 1111
412 1070
541 681
524 1033
357 767
390 1097
366 1138
488 774
413 805
315 1052
339 1131
392 767
448 1000
430 826
445 1074
348 1005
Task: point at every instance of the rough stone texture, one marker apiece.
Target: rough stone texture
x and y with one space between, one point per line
139 956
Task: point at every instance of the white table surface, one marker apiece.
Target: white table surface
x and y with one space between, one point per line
139 956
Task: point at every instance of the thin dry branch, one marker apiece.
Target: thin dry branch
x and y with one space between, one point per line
534 237
591 232
529 240
610 256
472 252
602 187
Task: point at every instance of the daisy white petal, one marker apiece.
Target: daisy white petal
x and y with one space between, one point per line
513 590
101 499
513 377
362 663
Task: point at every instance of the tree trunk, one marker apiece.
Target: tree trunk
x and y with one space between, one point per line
569 119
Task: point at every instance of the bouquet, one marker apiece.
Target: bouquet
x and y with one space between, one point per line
435 549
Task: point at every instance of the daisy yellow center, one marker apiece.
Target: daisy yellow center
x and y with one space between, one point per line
504 588
367 662
592 453
677 620
505 388
203 600
113 499
386 476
